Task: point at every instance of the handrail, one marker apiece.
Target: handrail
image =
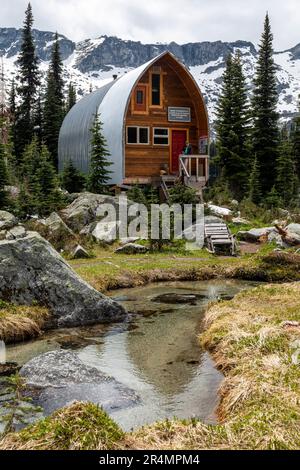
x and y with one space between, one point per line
186 165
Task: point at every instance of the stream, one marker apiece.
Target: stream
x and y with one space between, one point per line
155 352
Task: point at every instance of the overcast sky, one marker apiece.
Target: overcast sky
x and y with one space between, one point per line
161 20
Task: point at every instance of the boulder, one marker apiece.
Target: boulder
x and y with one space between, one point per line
80 252
56 226
59 377
132 249
125 241
16 232
293 228
220 211
105 232
85 209
32 271
254 235
7 220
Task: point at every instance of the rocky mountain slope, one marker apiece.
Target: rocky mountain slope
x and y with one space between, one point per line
91 61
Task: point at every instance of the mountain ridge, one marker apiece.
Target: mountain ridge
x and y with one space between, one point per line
87 63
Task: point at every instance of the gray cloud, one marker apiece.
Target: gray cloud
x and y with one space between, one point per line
161 20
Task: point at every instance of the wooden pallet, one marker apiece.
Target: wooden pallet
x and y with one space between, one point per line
219 239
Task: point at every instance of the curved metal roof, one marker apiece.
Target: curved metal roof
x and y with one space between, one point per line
111 101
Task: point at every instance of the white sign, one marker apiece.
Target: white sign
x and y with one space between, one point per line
179 114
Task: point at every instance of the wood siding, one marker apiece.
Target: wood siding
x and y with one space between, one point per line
178 90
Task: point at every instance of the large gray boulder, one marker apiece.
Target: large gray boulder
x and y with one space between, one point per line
59 377
32 271
7 220
293 228
85 210
255 234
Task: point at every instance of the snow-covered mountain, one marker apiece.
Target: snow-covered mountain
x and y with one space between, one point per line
89 62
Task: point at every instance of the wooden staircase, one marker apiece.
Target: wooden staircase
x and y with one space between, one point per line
219 239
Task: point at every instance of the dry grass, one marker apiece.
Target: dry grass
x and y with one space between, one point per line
18 323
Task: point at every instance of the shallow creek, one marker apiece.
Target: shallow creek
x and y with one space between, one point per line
155 352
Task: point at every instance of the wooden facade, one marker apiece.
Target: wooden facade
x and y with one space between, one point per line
153 140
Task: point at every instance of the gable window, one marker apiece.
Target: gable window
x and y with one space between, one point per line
139 97
160 136
138 135
140 100
156 89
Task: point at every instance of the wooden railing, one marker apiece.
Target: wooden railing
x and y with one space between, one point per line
187 169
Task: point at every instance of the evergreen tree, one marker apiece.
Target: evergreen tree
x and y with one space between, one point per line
3 177
254 184
72 179
295 137
12 113
99 174
39 181
137 195
38 120
233 128
71 99
265 118
286 178
29 80
54 102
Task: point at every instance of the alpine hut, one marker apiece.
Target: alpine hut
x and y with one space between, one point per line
155 123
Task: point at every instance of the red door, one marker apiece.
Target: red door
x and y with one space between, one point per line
178 142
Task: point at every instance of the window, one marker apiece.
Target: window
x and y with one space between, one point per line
160 136
139 97
156 89
138 135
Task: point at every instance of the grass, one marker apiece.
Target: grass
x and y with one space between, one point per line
252 339
18 323
81 426
109 271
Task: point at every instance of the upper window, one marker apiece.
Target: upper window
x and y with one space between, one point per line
140 100
160 136
138 135
156 89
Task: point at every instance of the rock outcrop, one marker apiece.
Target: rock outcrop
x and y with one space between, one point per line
32 271
85 209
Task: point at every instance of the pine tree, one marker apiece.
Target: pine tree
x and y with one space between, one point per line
3 177
29 80
54 102
38 120
254 184
99 174
233 128
295 137
265 118
286 178
71 99
72 179
12 113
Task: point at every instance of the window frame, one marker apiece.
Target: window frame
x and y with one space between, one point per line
138 135
161 136
161 97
